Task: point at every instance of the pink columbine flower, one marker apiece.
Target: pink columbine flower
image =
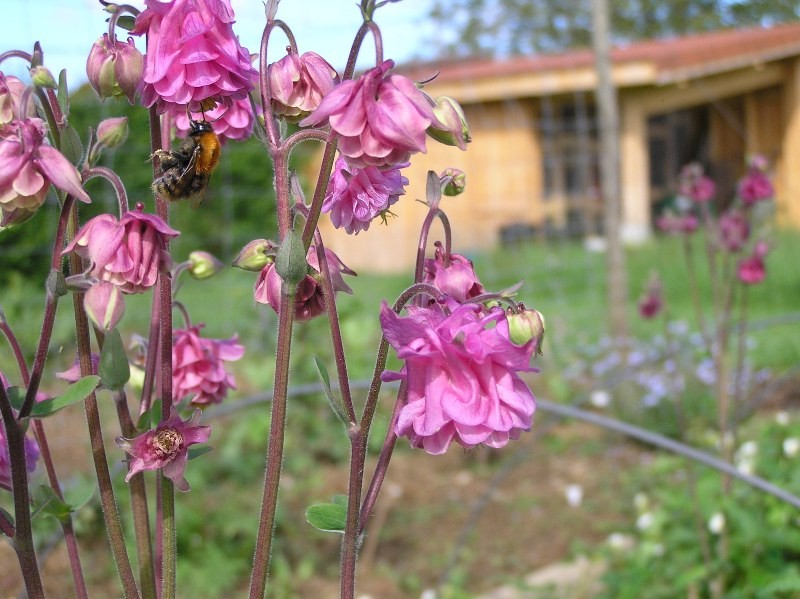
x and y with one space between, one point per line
309 302
755 186
355 196
380 119
652 301
198 368
28 166
695 185
231 122
452 274
128 253
674 223
462 375
114 68
11 90
298 84
734 230
73 373
752 270
166 447
105 305
192 54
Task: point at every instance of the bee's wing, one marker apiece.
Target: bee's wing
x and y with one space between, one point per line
188 174
197 198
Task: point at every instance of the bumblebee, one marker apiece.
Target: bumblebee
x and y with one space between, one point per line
186 171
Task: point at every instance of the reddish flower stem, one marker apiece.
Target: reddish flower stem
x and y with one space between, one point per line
261 558
116 183
433 213
23 536
328 158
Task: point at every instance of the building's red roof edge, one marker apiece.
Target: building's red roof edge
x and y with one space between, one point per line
700 52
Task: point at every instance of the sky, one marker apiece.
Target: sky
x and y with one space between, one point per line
68 28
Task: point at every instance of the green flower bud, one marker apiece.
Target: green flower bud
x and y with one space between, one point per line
256 255
203 265
42 77
113 132
526 325
452 129
454 181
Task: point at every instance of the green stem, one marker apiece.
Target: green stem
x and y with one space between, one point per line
261 559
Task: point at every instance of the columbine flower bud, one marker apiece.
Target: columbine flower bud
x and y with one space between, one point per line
114 68
112 133
203 265
526 325
11 90
256 255
42 77
454 181
105 305
455 131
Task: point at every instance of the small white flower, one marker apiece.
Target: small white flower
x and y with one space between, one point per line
428 594
644 521
716 524
620 542
782 417
641 502
574 495
791 447
747 467
600 398
748 449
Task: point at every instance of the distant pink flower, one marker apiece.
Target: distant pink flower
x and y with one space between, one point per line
462 375
755 187
232 121
652 301
674 223
28 166
192 54
734 230
166 447
128 253
380 119
752 270
198 368
114 68
695 185
30 447
11 90
355 196
73 373
298 84
309 302
454 275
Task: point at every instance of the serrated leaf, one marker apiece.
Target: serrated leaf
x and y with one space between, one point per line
63 92
195 451
71 145
76 392
113 368
327 517
333 400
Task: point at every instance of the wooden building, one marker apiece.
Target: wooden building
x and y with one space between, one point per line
533 164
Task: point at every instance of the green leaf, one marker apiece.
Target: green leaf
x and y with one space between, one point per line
150 418
16 396
114 369
126 22
340 499
333 400
195 451
290 262
71 145
75 393
327 517
45 501
63 92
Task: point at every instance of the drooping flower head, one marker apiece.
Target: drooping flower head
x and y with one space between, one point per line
462 373
675 222
11 90
734 230
128 253
298 84
381 119
233 121
28 166
694 184
752 269
755 186
309 301
355 196
652 301
166 447
452 274
114 68
198 368
192 54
